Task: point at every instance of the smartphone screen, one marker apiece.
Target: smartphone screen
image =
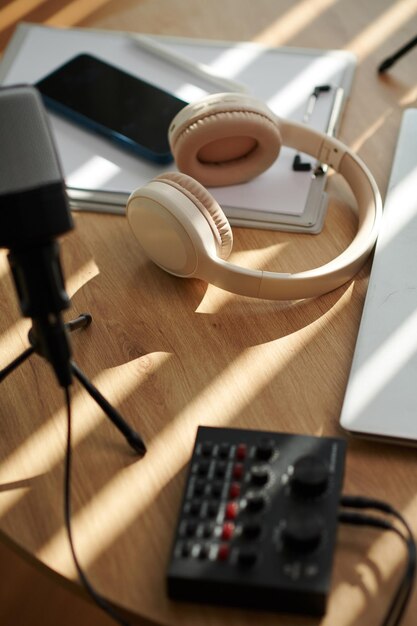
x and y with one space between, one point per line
122 107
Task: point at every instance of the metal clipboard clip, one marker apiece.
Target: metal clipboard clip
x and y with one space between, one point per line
320 169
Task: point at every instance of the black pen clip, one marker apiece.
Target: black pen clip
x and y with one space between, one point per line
298 165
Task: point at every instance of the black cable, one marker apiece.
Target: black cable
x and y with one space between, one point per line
403 592
389 62
132 437
95 595
401 596
362 502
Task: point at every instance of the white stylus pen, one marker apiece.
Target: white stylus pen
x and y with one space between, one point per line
198 69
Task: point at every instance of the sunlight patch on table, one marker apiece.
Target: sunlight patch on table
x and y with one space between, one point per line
13 342
370 131
45 448
293 21
382 28
75 12
98 525
17 10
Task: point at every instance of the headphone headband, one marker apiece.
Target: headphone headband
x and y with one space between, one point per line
220 140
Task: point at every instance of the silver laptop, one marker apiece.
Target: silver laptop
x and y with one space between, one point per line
381 396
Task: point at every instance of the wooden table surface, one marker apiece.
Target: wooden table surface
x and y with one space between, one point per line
171 354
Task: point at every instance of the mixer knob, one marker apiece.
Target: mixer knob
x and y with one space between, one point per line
302 533
309 476
259 475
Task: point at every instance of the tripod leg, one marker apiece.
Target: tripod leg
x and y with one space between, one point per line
18 361
82 321
131 435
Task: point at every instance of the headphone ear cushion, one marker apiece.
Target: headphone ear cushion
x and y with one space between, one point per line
227 142
207 205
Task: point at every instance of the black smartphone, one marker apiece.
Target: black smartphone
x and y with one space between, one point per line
125 109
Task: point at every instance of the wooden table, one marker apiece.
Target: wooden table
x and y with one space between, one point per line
172 354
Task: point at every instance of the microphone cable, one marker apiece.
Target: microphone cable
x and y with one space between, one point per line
402 594
94 594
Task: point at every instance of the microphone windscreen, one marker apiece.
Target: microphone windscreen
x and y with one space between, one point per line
29 157
33 201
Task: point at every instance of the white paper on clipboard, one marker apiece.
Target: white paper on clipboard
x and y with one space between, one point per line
101 176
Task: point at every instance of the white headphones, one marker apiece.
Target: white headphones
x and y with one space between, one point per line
228 139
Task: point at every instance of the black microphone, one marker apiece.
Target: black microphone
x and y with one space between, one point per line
33 212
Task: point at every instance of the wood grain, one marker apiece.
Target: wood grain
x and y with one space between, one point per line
171 354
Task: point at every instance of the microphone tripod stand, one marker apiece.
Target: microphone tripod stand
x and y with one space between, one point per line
82 321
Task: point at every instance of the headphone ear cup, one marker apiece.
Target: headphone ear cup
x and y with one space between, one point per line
225 139
207 205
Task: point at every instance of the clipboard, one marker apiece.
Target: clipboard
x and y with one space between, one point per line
100 176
